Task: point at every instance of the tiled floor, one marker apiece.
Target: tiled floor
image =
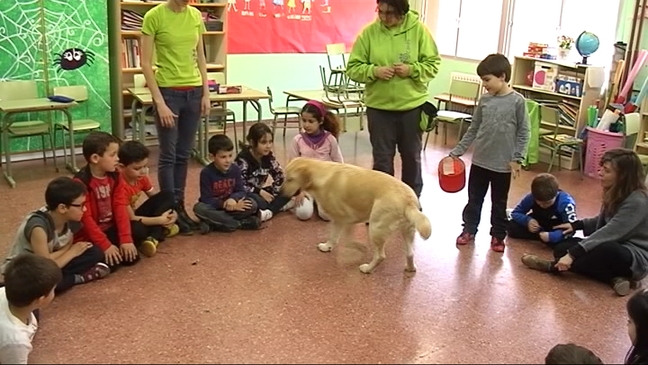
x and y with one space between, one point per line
272 297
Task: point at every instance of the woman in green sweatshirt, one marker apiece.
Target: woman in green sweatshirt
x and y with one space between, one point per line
395 57
615 250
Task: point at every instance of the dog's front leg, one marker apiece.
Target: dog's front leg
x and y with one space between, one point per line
336 231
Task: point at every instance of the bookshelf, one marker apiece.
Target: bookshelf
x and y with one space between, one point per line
124 24
573 107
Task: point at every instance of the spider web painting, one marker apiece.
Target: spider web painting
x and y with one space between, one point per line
80 25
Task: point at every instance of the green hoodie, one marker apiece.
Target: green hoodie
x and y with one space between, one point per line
410 43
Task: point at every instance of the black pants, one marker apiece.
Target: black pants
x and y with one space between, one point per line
516 230
274 206
154 206
478 182
391 129
604 263
113 237
78 266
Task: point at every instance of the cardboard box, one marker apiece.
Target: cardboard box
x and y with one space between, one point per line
569 86
544 76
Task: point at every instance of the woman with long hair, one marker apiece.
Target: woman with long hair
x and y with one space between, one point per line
615 250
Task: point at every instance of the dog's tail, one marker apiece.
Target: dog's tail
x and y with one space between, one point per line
419 220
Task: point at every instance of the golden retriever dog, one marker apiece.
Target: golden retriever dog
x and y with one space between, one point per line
350 194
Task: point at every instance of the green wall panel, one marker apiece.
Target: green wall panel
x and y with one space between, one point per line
78 27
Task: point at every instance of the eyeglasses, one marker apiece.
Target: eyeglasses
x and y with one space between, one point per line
82 205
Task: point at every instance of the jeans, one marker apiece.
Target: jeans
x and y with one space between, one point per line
221 219
78 266
478 182
391 129
154 206
274 206
177 141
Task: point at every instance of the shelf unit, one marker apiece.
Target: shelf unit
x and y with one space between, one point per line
591 94
124 73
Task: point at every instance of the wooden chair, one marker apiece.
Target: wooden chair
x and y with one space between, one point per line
283 111
84 125
25 90
557 142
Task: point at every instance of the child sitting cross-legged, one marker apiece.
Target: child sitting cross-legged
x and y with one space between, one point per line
319 140
223 204
29 282
258 164
106 222
154 219
539 212
48 232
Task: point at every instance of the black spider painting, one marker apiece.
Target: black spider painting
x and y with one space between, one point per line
73 58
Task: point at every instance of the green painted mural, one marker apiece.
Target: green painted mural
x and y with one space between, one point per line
76 41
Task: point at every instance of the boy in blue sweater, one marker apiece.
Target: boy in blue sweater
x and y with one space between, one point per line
539 212
223 204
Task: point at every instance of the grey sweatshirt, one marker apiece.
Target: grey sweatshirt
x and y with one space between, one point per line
499 130
629 227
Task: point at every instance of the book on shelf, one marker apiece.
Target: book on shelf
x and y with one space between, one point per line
131 20
131 53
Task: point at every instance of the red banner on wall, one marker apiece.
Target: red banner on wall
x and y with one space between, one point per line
295 26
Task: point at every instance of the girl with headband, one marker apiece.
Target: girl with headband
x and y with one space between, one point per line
321 129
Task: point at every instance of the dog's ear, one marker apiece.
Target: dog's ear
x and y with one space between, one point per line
303 173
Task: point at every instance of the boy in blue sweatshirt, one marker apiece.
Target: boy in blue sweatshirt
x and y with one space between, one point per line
223 204
539 212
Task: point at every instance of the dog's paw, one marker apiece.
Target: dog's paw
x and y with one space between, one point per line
411 268
325 247
366 268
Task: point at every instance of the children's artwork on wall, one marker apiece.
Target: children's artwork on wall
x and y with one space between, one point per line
74 37
295 26
73 58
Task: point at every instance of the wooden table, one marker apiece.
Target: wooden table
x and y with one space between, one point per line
321 96
12 107
142 96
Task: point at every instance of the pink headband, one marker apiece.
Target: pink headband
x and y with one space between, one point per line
318 105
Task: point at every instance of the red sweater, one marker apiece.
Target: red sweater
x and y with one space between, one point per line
106 206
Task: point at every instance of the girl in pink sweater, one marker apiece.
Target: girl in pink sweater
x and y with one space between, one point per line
321 129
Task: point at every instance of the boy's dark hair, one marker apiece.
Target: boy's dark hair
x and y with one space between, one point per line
63 190
132 152
218 143
97 142
401 7
571 354
495 64
28 277
544 187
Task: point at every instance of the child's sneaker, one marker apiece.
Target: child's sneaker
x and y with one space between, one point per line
252 223
171 230
99 271
265 215
466 239
148 248
497 244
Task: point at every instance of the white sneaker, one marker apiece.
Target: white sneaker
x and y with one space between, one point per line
508 214
265 214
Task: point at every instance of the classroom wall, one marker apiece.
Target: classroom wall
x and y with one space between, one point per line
80 24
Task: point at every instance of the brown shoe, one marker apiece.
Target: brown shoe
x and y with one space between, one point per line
621 286
536 263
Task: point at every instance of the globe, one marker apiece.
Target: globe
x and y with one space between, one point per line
586 44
